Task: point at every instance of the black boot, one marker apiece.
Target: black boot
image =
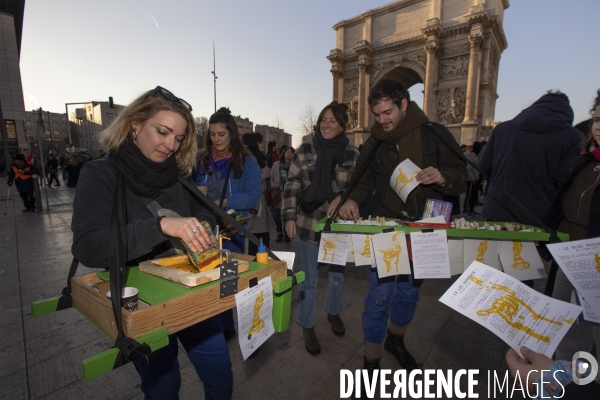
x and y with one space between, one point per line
279 237
311 342
394 344
370 367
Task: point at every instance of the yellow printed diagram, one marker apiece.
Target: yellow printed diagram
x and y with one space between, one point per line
405 180
327 247
483 246
519 263
392 254
512 309
257 323
597 258
367 249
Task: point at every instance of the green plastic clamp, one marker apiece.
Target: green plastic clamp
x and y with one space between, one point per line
45 306
282 302
102 363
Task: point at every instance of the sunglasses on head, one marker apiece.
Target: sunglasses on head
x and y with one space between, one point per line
169 96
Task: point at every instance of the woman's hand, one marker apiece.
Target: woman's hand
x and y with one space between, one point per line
187 229
224 203
290 228
333 206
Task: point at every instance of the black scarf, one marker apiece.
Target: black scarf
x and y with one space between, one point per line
329 151
143 176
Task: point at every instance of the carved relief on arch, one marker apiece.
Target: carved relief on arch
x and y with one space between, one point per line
451 105
492 68
352 115
378 68
454 67
350 86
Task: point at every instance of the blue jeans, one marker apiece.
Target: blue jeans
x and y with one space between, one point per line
307 298
206 348
276 214
395 291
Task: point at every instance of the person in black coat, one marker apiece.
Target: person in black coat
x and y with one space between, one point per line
52 170
527 156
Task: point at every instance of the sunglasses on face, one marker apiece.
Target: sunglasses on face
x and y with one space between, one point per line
169 96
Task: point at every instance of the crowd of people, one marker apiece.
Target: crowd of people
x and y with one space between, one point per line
152 142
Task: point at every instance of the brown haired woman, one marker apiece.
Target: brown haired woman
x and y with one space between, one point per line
320 172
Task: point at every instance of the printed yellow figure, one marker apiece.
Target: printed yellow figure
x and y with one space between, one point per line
483 246
404 179
329 245
367 250
597 256
391 254
507 308
257 323
519 263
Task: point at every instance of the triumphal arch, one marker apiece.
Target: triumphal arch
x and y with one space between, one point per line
453 47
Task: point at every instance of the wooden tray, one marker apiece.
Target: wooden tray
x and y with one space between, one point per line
162 304
186 278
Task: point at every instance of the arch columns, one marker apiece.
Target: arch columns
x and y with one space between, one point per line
432 32
469 126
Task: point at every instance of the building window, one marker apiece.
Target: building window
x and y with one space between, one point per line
63 117
54 117
57 133
55 125
111 115
10 128
28 123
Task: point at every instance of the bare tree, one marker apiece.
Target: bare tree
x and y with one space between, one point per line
201 129
308 121
279 123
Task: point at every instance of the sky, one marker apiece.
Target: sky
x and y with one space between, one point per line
270 54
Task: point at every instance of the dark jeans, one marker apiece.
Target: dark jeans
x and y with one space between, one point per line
28 200
205 346
53 177
276 214
470 196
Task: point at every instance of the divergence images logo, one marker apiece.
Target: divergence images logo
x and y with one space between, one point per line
588 367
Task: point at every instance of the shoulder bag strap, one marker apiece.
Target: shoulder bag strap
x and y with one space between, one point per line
355 178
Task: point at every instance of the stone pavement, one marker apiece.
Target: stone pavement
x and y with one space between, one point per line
40 357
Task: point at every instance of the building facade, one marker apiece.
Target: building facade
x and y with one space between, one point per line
271 133
452 47
11 89
54 136
91 119
244 125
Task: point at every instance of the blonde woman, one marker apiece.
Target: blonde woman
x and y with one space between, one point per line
150 143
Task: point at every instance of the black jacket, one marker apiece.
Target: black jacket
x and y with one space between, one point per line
92 209
555 215
527 156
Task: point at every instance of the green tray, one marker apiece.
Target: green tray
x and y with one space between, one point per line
154 290
538 234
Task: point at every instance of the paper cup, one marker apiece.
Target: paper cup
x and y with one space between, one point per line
129 299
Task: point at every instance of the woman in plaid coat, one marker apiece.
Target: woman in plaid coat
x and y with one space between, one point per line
320 172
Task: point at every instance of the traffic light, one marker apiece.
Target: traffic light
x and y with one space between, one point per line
110 102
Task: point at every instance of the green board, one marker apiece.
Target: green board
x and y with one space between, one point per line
538 234
154 290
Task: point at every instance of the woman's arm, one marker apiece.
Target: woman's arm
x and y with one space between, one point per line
275 174
251 187
92 209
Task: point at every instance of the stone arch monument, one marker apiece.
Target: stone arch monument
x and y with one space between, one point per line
453 47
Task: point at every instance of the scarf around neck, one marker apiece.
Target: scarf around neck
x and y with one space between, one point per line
329 151
407 135
143 176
